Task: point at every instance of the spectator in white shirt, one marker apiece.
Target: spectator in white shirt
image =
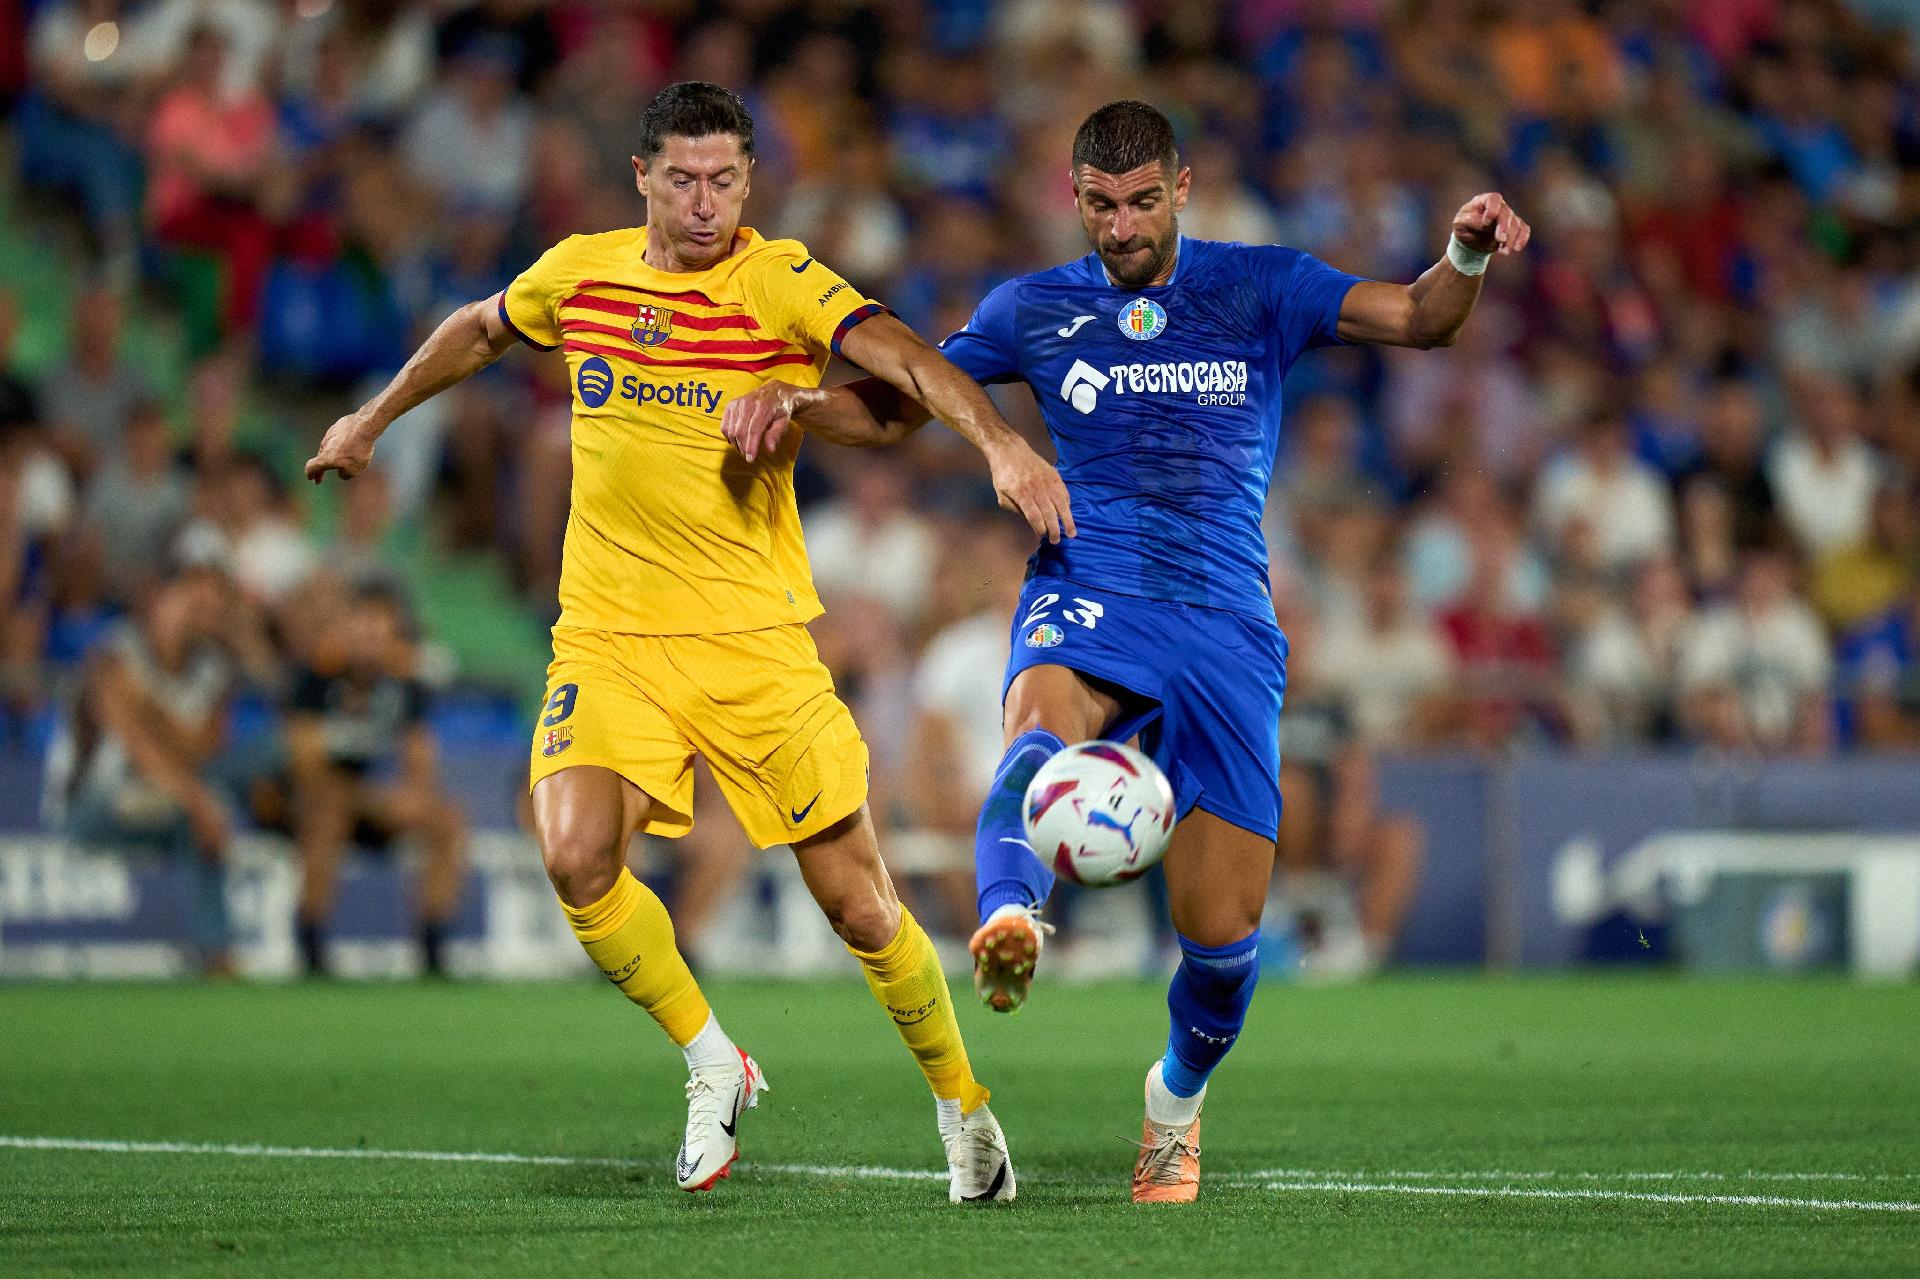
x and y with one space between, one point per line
869 542
1824 474
1754 674
1619 499
389 49
469 144
1390 665
249 29
1220 207
1626 673
246 526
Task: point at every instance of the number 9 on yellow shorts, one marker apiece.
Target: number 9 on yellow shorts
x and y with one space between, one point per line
759 705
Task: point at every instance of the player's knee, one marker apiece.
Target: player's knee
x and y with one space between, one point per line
1029 714
582 859
865 921
1227 925
1023 718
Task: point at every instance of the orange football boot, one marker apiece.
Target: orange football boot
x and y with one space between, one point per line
1168 1170
1005 949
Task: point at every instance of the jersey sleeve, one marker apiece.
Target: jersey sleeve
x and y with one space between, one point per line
804 301
531 304
984 349
1304 295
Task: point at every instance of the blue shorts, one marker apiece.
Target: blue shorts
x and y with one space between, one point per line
1214 678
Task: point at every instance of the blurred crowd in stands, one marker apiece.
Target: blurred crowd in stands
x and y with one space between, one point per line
1662 493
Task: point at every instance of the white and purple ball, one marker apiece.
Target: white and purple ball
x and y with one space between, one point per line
1099 813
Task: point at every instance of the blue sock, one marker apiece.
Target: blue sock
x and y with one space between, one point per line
1208 1004
1004 868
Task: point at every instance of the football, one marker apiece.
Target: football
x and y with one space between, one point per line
1099 813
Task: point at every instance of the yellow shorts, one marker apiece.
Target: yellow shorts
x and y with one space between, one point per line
759 705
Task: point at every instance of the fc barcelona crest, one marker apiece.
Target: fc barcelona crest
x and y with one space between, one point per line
652 325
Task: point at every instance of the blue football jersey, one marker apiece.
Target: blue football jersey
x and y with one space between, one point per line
1164 408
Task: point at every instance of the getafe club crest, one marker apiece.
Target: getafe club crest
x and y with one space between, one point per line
1045 635
652 325
1143 319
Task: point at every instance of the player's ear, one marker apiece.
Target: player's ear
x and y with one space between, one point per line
639 174
1181 185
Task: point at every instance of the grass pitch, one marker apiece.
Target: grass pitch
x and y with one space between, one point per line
1422 1126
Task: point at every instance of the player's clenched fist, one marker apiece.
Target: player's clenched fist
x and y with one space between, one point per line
347 448
1025 483
1488 224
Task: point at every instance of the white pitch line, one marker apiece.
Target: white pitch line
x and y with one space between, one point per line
1508 1174
844 1170
1635 1196
253 1151
1297 1180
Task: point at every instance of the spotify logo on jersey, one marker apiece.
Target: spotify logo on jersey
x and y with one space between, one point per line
595 381
597 385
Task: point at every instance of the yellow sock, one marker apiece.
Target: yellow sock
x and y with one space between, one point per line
905 977
629 935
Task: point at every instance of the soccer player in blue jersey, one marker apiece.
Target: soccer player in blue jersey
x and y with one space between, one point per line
1157 362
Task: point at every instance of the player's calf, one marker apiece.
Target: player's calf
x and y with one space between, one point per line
1207 1005
1012 882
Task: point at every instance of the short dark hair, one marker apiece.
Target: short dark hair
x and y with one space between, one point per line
694 109
1122 136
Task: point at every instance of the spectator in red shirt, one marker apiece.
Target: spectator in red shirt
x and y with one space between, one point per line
1504 654
210 156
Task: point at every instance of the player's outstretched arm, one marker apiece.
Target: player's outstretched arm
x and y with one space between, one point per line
911 381
895 354
1431 311
466 342
867 414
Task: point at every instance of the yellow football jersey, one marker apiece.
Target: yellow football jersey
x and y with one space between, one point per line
671 531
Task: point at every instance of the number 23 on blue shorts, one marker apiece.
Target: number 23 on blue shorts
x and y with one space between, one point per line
1214 678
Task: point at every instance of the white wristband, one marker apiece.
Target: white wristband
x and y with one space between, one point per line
1465 260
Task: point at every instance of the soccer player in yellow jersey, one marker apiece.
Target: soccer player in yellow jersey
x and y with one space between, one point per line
684 594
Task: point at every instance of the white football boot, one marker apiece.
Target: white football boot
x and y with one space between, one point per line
1005 949
979 1169
715 1101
